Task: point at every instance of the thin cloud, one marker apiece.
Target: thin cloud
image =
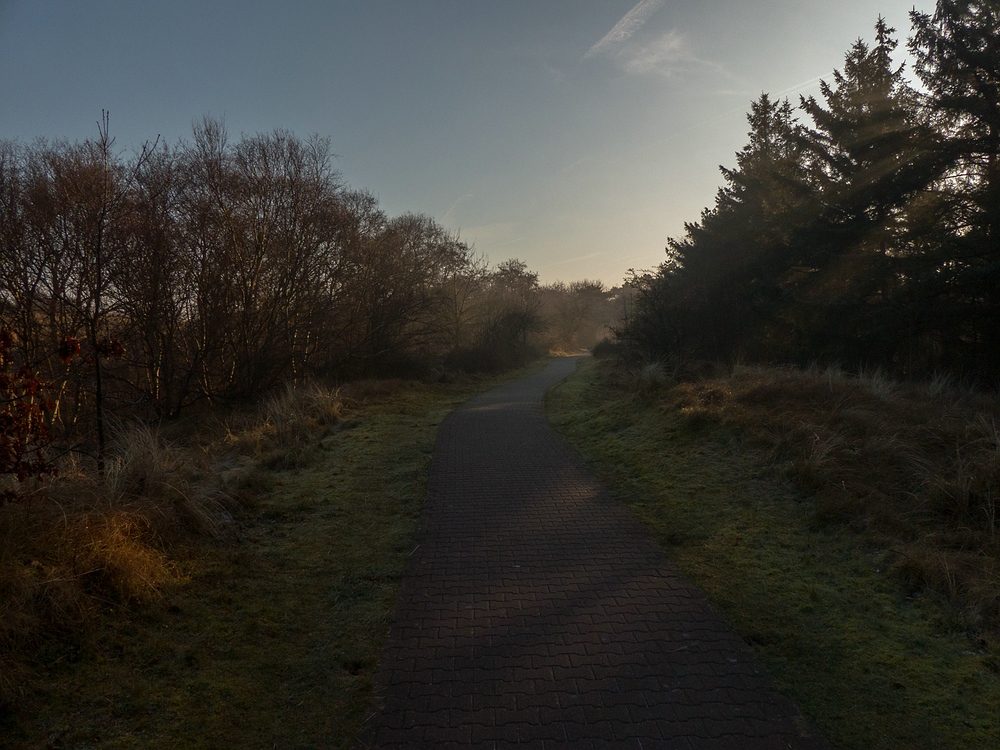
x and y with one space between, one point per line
667 55
754 93
630 23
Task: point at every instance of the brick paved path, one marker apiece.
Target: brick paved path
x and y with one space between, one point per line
537 612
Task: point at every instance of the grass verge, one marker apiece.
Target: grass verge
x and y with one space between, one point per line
267 636
873 664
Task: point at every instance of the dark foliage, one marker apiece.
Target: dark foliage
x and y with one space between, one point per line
869 237
213 272
25 414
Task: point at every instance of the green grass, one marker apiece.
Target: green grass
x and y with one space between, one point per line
869 666
271 640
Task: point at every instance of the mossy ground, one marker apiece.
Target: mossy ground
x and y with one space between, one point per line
870 666
270 640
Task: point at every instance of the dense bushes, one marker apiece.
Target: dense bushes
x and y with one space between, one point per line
215 270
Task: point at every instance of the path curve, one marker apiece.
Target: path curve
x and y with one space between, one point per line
536 611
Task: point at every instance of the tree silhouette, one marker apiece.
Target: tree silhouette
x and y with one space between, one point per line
957 53
871 237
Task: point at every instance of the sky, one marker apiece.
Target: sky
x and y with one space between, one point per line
575 135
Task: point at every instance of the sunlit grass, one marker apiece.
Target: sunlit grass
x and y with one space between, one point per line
870 666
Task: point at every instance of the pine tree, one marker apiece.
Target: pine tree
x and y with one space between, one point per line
957 54
866 148
867 157
726 271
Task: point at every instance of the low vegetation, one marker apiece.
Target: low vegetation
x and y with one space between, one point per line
228 583
151 306
844 525
915 467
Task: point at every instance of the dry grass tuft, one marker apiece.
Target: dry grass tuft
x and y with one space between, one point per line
285 432
917 466
115 554
372 390
143 465
79 542
651 378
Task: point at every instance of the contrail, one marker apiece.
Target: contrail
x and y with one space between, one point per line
627 26
799 86
445 219
572 260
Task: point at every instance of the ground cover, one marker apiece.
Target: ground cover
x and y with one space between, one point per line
266 635
874 662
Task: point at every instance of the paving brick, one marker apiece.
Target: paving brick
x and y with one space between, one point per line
537 612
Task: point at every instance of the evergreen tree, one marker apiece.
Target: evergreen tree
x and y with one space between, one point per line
765 188
866 145
727 268
867 158
871 238
957 54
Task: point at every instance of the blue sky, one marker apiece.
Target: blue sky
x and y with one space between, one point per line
573 134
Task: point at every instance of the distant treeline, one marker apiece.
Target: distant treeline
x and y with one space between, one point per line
215 270
869 237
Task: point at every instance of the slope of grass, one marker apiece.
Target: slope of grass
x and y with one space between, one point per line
872 664
268 636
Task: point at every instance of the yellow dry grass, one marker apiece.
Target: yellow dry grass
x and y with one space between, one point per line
79 543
